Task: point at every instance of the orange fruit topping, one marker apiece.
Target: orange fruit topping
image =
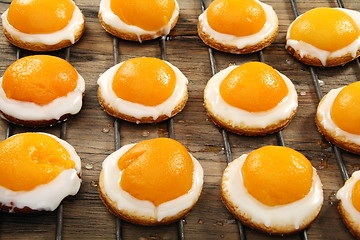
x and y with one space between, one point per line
325 28
156 170
148 15
355 196
39 79
28 160
144 80
253 87
345 111
40 16
236 17
277 175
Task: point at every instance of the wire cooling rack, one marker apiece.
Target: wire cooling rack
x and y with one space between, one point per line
183 228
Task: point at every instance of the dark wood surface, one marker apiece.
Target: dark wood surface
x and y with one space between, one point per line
91 132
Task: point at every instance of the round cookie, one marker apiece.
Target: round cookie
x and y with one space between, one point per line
233 40
129 26
256 109
132 191
38 171
35 31
39 91
254 206
345 113
347 196
339 43
144 96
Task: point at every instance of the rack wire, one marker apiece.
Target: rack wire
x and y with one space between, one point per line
63 133
170 127
279 136
117 136
171 133
336 150
224 133
281 141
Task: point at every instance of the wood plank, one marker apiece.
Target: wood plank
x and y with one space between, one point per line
91 132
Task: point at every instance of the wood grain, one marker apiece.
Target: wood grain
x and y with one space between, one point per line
91 132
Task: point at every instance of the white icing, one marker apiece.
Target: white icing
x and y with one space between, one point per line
312 51
241 42
110 18
47 196
238 117
281 215
29 111
112 177
67 33
323 111
344 194
138 110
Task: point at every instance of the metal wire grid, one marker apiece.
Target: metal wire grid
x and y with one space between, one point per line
280 139
63 133
59 223
337 152
117 140
171 134
225 137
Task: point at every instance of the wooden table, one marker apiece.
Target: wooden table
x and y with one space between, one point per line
91 132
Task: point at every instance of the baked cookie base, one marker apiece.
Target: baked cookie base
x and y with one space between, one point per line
330 62
208 40
353 227
40 47
245 130
247 220
133 217
34 123
13 209
116 113
331 136
131 36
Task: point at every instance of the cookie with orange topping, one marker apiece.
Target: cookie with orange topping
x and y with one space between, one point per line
138 20
152 182
250 99
338 117
38 171
238 26
273 189
43 25
325 36
40 90
349 203
143 90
